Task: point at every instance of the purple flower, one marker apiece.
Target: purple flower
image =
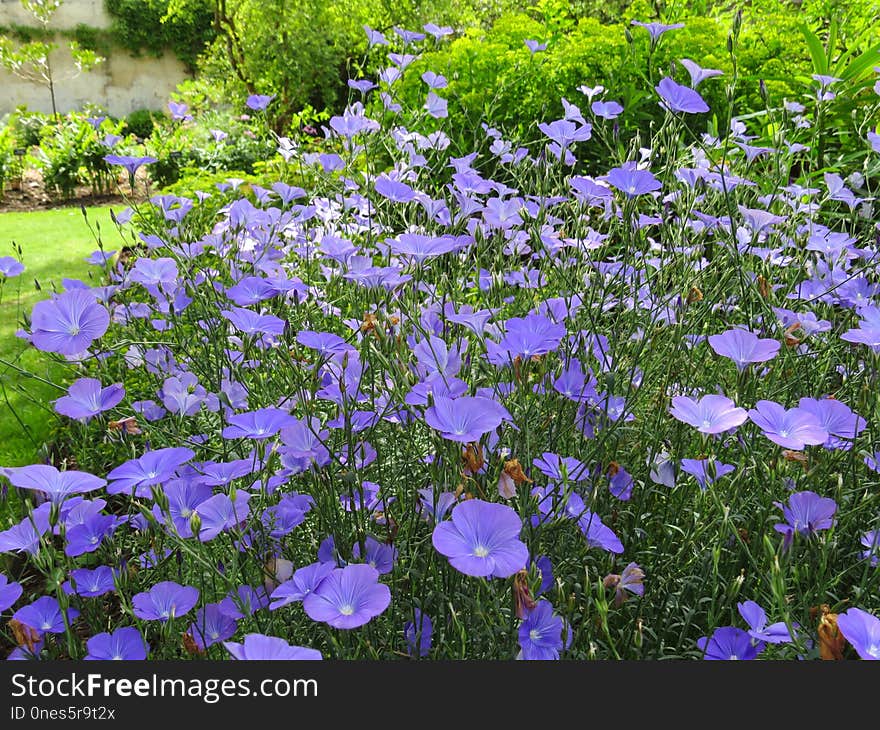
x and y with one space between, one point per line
155 273
86 527
871 541
420 248
436 511
729 643
251 323
834 417
436 106
565 132
90 583
697 73
540 634
68 323
9 592
165 601
211 626
303 582
632 181
56 485
183 395
437 31
525 338
258 102
268 648
806 513
862 630
535 46
756 618
418 634
258 425
706 471
10 267
560 469
606 109
25 536
220 513
464 419
244 602
131 164
349 597
711 414
482 539
597 533
123 644
394 190
86 398
378 555
680 98
154 467
45 616
178 111
794 428
657 29
744 347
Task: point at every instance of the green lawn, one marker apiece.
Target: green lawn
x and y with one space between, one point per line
55 244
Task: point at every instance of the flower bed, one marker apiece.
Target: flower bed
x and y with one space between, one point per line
473 405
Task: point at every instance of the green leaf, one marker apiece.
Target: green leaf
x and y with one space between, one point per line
816 49
862 63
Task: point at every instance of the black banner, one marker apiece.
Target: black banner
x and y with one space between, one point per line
394 693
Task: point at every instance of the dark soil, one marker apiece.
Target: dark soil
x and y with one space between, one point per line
29 194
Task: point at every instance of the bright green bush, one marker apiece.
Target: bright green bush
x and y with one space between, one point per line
494 78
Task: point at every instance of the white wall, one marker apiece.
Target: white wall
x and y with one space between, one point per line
120 85
69 15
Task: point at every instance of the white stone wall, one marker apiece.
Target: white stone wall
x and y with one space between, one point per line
69 15
120 85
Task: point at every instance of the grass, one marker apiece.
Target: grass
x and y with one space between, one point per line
54 245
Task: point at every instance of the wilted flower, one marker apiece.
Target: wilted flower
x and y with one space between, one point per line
630 580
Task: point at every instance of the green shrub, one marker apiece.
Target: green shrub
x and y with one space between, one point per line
27 126
140 123
494 78
71 153
9 165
